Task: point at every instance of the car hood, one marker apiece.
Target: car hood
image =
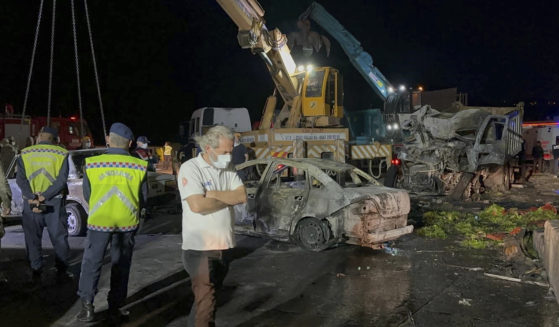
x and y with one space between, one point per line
388 202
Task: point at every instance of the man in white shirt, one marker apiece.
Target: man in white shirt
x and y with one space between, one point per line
209 188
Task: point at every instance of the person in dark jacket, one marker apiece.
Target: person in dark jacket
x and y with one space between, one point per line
537 154
142 151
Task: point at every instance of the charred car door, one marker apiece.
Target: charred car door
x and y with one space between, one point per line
280 199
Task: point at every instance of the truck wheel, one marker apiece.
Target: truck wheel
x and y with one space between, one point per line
312 234
77 219
391 175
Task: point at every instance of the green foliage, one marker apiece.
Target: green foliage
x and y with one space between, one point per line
472 229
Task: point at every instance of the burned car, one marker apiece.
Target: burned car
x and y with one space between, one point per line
318 203
161 188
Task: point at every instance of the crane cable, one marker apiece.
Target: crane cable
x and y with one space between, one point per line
51 60
32 61
95 69
82 134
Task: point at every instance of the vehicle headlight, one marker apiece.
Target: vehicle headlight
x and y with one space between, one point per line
395 126
389 127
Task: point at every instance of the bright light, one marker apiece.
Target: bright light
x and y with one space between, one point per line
420 88
309 67
73 118
390 89
301 68
402 88
395 126
389 127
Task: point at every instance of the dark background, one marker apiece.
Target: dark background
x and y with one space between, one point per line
159 60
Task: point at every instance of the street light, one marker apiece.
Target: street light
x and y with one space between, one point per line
402 88
420 88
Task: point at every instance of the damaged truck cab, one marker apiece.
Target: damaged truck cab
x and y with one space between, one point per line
318 203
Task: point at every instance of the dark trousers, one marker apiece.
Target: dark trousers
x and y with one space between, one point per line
122 246
207 270
56 221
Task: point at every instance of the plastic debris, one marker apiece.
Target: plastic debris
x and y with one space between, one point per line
466 302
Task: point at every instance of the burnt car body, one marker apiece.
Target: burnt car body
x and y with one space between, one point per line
161 188
317 203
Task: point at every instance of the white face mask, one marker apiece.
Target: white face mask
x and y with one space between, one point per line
144 146
222 161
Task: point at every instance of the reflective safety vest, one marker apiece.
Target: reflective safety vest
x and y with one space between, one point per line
115 181
42 163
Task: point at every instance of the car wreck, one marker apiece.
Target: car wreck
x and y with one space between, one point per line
317 203
458 154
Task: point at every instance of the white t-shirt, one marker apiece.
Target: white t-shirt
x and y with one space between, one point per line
213 231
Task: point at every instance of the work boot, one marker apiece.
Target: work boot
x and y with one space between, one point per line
87 314
36 276
117 316
63 276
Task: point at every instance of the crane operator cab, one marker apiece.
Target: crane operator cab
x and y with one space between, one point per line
322 93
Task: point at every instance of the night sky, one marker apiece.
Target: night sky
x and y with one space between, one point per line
159 60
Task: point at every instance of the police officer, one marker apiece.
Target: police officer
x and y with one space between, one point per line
42 172
115 186
143 153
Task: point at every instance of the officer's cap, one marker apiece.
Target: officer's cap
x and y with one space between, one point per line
143 139
122 130
50 130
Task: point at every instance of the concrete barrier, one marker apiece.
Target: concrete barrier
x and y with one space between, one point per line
547 246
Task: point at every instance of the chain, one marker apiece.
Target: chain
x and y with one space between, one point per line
51 60
95 69
77 66
32 62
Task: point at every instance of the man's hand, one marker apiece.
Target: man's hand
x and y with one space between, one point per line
36 210
6 210
41 198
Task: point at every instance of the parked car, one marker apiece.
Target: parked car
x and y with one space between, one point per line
318 203
162 188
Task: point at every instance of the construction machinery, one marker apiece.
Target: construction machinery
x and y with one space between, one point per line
309 121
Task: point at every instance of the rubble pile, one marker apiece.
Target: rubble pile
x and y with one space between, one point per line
487 228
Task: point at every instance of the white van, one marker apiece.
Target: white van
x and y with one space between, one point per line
202 119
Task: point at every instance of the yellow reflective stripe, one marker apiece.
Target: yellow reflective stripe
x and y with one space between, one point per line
114 192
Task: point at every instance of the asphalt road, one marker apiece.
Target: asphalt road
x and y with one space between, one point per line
420 283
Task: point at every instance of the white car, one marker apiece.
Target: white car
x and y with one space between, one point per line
162 188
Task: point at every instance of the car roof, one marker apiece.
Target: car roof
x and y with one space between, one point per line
302 162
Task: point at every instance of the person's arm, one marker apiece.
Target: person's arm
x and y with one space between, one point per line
144 192
86 187
201 204
22 181
59 184
237 196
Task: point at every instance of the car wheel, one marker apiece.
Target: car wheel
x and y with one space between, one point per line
312 234
77 219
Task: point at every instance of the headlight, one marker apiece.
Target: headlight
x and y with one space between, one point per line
395 126
309 67
301 68
389 127
402 88
390 89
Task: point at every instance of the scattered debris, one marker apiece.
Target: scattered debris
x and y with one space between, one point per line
488 228
466 302
467 268
517 280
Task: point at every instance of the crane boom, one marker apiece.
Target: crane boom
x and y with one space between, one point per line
272 47
361 59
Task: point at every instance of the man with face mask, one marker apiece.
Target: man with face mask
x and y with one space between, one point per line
142 152
209 187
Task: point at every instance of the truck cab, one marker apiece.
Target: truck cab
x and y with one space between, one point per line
237 119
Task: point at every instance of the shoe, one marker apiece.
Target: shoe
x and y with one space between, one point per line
36 276
117 316
63 276
87 313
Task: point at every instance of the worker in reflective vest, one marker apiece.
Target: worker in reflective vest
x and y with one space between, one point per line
42 172
115 186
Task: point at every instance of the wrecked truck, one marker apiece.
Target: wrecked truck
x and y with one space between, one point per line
317 203
460 154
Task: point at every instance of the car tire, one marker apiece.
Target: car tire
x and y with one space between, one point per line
312 234
77 219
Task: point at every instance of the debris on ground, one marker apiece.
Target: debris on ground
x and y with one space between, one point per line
466 302
486 229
